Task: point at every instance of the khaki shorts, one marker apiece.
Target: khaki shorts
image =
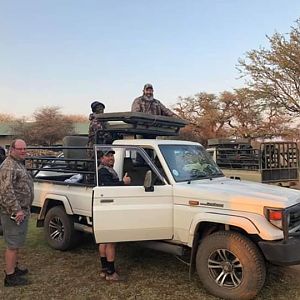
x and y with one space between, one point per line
14 235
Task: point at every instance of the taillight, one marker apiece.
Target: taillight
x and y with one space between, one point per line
275 216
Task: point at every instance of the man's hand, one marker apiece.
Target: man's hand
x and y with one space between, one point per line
20 216
126 179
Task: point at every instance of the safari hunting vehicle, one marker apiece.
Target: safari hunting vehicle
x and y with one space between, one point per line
179 202
274 163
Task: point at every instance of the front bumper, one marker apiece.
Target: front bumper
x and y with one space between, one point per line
282 252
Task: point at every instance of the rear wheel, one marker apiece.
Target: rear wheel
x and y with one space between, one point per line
59 229
230 266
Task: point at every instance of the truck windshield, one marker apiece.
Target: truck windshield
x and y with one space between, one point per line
189 162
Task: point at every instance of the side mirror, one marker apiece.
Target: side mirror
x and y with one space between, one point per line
148 182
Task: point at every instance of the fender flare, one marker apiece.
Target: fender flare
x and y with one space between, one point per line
242 222
53 197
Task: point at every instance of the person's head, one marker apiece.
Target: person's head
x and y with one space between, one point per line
148 91
107 158
97 107
18 149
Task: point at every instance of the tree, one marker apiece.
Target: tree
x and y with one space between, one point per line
5 118
207 116
77 118
230 114
274 74
252 118
49 127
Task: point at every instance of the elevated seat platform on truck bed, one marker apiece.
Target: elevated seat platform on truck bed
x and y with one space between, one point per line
135 123
73 157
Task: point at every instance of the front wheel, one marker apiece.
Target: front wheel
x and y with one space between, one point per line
59 229
230 266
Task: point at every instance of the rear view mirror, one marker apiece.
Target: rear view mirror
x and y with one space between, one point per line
148 182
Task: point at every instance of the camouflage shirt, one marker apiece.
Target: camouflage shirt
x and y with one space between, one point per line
16 187
151 107
94 126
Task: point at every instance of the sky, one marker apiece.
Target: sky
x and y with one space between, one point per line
70 53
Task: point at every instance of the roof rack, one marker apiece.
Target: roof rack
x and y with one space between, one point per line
135 123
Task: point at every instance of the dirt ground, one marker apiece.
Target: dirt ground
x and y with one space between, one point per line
150 275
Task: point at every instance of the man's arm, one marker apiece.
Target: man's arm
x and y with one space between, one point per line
106 178
165 111
9 201
136 107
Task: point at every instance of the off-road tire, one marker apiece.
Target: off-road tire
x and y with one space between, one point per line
243 279
59 229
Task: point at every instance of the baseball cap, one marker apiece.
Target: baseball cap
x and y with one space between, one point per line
148 86
106 152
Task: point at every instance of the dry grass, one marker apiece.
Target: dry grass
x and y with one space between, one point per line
151 275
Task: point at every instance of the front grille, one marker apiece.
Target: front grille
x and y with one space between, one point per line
294 219
291 222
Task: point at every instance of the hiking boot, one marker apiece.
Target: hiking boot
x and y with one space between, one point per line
14 280
20 272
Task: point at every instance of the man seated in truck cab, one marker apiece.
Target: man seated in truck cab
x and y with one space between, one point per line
107 175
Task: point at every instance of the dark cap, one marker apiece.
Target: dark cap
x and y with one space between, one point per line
148 86
106 152
95 104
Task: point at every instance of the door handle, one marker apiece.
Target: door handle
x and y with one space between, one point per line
107 201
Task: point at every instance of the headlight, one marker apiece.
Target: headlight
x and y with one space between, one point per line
274 216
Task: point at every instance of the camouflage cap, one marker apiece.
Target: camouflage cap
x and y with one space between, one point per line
148 86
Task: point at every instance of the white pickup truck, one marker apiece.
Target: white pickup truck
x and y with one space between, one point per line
179 202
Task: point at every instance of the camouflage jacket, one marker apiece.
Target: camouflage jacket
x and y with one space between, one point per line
152 107
94 126
16 187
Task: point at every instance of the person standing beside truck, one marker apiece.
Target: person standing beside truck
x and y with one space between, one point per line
107 177
147 104
16 196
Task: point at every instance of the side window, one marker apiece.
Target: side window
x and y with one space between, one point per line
136 166
154 157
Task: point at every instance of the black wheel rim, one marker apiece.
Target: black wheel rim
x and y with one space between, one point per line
225 268
56 229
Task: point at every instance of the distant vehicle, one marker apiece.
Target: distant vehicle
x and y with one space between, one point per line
274 163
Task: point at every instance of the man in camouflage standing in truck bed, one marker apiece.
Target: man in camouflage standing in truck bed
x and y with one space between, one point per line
147 104
16 196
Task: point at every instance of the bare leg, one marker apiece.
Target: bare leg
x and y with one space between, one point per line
102 249
10 260
111 251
